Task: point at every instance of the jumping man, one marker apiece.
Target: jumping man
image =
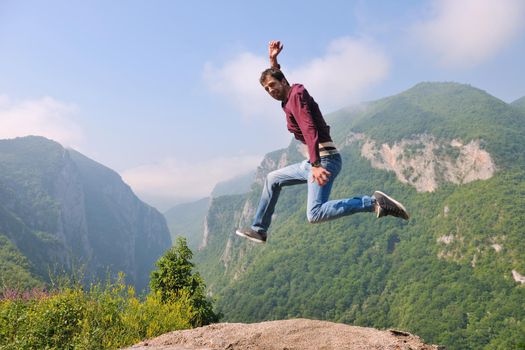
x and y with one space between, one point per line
305 121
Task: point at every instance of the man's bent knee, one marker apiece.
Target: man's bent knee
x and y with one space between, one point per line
313 216
272 178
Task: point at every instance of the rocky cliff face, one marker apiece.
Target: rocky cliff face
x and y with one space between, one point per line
72 212
68 192
426 162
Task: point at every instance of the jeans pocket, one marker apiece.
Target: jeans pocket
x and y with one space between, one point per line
333 165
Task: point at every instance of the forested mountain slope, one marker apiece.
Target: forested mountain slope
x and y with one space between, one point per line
453 274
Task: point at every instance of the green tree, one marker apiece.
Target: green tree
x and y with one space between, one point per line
175 276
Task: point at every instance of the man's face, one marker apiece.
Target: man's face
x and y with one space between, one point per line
275 88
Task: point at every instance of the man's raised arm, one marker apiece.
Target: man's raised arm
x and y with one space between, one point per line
274 48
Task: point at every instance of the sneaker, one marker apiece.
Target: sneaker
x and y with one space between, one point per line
259 237
386 205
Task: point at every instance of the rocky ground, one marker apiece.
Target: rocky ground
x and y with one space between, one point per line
297 334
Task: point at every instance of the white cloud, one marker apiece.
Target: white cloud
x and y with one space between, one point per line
238 81
466 32
177 179
340 77
44 117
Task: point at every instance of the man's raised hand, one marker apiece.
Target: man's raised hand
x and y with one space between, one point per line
274 48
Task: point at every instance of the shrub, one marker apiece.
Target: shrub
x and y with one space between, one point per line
106 316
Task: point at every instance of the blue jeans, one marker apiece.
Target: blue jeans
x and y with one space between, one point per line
319 208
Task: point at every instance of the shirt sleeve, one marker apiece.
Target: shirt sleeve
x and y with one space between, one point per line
303 115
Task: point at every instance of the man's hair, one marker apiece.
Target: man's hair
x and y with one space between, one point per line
273 72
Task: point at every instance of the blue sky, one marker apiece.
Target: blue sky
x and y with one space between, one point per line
167 93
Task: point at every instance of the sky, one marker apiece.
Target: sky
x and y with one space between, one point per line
166 93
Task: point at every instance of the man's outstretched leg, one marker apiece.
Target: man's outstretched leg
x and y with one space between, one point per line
287 176
320 208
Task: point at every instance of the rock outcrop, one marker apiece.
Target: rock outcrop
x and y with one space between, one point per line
296 334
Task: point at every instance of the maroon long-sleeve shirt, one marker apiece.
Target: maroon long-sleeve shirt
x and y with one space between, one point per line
305 121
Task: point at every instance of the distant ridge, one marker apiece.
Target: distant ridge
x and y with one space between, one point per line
237 185
520 103
187 220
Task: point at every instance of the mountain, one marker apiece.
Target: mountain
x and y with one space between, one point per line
60 210
519 103
237 185
187 220
453 274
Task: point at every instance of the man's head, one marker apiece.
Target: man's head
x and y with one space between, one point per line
275 83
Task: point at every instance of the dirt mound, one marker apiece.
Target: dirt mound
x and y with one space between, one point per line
297 334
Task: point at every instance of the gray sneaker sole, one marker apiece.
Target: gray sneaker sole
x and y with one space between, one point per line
239 233
395 202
